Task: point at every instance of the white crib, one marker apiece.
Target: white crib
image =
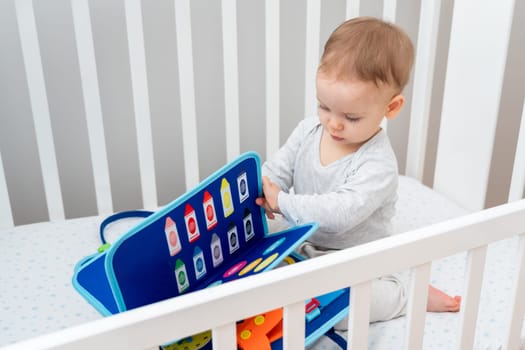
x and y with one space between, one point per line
114 105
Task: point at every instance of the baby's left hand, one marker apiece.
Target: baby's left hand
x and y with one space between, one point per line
270 200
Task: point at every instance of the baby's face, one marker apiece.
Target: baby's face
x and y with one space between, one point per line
351 111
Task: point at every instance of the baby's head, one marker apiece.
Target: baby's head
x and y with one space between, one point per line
365 66
369 49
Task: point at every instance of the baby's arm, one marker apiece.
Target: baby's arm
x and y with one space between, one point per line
347 206
280 168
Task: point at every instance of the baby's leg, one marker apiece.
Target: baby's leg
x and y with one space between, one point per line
388 300
439 301
389 297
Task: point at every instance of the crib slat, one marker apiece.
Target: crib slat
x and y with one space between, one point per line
40 107
515 321
6 214
92 104
359 317
471 99
187 92
389 15
231 77
389 10
470 299
272 76
313 24
416 311
293 326
422 91
139 85
224 337
517 184
352 8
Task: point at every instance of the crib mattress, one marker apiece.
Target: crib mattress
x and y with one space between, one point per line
37 297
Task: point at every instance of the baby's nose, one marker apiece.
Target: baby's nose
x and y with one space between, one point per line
336 123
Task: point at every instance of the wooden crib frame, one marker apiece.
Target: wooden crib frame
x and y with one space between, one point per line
468 102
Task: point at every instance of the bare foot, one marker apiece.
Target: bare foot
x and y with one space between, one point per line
439 301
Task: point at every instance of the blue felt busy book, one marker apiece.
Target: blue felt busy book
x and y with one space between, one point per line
212 234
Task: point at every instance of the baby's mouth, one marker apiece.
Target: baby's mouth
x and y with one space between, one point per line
336 138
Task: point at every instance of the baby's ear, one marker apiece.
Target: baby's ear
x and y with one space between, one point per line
394 106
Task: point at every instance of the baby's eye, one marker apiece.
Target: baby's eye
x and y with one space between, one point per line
324 108
352 119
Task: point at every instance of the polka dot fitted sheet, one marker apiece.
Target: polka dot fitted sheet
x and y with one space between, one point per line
37 261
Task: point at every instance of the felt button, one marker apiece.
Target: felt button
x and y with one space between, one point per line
259 320
266 262
289 260
250 266
246 334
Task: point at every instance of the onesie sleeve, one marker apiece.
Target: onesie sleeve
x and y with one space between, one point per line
364 191
280 168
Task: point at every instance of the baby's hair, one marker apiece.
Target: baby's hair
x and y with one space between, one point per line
369 49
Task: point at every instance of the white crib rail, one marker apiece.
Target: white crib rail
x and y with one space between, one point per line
517 185
139 84
512 338
272 41
472 291
92 105
6 217
219 308
470 104
422 92
231 77
417 306
352 8
40 107
313 27
359 317
389 15
187 92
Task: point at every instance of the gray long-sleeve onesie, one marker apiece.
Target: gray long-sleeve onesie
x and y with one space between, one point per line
352 199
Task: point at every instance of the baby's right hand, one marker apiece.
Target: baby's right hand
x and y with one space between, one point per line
261 201
270 200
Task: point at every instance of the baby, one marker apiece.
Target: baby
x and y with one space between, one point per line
340 163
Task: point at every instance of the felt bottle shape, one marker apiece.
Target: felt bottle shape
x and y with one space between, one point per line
216 250
226 196
233 238
172 236
248 225
181 275
242 186
198 263
209 210
191 223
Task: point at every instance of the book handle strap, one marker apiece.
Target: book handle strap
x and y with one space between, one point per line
119 216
